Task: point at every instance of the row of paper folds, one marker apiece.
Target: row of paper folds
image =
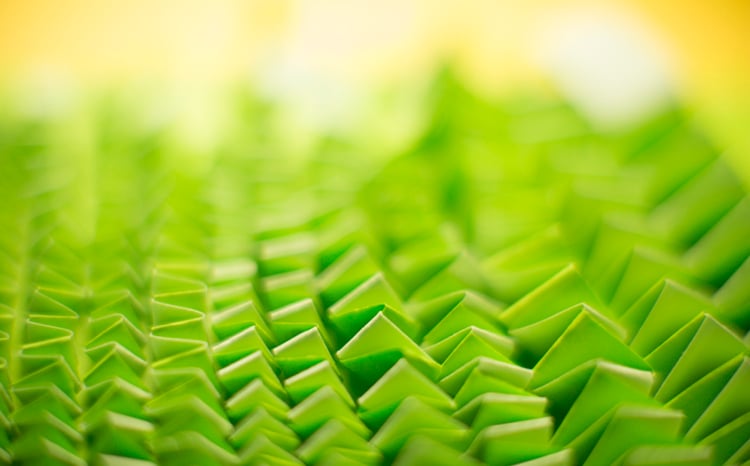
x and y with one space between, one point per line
514 289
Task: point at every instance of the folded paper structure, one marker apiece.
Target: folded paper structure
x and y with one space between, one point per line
514 288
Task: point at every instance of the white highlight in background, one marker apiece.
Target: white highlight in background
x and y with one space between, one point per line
607 63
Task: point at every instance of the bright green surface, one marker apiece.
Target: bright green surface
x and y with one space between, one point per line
512 289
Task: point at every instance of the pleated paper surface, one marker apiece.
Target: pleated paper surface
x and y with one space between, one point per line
512 288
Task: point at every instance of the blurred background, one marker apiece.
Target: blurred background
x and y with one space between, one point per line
617 60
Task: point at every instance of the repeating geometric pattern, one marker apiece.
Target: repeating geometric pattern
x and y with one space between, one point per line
516 288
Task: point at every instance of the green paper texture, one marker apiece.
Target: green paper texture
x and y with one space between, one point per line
500 291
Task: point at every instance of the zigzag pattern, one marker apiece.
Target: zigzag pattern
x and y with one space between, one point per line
514 289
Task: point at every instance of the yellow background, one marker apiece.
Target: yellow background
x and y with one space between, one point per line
212 41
